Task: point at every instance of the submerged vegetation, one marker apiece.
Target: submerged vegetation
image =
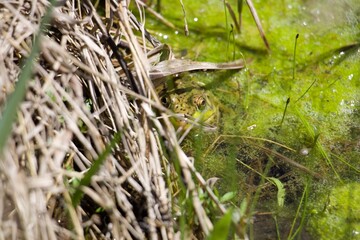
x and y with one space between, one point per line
163 119
291 115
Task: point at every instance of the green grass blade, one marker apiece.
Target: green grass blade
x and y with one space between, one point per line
85 181
9 114
317 144
302 204
281 190
222 227
341 159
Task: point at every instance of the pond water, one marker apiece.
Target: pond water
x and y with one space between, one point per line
294 119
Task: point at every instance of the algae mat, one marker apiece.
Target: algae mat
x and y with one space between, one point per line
291 115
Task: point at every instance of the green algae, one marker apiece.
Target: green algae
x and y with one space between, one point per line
337 215
320 127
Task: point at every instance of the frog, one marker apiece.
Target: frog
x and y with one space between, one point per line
185 98
191 101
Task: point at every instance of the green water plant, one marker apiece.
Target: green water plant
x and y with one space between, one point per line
222 227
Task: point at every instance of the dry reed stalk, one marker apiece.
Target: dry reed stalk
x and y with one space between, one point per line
75 103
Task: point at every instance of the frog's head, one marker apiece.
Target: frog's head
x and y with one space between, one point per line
193 104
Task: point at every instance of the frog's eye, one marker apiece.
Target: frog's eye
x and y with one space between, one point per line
199 101
165 101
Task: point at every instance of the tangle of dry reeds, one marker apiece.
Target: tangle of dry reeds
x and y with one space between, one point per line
76 100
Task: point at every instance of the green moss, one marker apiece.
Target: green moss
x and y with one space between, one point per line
339 217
